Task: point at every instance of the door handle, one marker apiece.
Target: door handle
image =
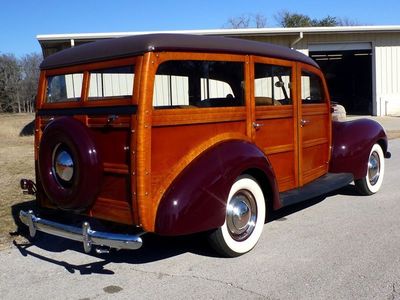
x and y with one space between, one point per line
304 122
257 125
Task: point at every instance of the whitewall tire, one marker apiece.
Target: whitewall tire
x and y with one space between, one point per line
244 220
372 182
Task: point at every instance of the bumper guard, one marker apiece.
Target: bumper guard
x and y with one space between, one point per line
85 234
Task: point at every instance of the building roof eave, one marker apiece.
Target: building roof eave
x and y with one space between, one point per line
227 32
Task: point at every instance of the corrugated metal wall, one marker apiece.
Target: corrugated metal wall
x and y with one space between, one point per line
386 62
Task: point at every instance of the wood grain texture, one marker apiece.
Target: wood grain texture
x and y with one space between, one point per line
111 210
143 157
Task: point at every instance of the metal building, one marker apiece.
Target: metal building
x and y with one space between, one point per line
361 63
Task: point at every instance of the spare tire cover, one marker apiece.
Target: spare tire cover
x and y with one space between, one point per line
69 164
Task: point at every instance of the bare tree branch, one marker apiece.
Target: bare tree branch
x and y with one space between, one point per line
260 20
247 21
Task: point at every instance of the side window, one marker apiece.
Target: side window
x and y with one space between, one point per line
111 83
64 88
272 85
191 83
312 91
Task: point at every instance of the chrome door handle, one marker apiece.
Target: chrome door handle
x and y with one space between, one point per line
257 125
304 122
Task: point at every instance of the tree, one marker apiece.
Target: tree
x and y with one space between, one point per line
347 22
18 82
10 77
260 21
29 66
289 19
247 21
328 21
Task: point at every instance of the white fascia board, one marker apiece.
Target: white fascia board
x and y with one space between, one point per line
233 32
105 35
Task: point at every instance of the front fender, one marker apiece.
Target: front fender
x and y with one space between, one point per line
351 144
196 200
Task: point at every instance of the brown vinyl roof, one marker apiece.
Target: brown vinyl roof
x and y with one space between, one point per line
139 44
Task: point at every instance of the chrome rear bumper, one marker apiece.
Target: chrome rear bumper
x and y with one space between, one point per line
84 234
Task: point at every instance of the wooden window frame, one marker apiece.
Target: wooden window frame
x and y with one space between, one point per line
173 116
86 69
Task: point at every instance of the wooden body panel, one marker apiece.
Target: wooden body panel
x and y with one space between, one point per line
114 201
114 140
276 138
173 148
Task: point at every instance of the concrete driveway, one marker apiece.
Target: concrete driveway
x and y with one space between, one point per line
343 246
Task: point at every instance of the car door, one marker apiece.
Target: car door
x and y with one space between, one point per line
275 117
314 124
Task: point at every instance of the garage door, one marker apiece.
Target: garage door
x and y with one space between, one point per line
348 70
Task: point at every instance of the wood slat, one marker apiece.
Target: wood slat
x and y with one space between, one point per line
112 210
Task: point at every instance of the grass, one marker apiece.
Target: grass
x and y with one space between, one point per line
16 162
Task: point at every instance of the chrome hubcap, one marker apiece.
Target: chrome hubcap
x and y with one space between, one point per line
241 215
374 168
63 164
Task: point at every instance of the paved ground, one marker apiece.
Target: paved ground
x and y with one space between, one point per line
341 247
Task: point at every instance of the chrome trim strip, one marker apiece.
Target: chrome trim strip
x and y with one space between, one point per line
85 234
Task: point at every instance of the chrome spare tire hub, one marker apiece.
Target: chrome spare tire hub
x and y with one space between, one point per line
63 164
374 168
241 215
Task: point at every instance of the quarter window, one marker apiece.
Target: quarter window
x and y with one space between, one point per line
190 83
111 83
311 88
64 88
272 85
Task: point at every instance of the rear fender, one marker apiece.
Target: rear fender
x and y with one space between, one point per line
196 200
351 145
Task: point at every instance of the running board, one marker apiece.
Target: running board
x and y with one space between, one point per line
323 185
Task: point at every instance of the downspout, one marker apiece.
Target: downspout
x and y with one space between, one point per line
296 41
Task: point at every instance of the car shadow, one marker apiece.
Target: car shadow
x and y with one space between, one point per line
348 190
281 214
28 129
154 247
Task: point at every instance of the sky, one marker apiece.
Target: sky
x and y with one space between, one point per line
22 20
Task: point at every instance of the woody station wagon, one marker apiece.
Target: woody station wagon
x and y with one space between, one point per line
179 134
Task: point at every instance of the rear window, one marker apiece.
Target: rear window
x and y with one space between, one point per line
111 83
64 88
